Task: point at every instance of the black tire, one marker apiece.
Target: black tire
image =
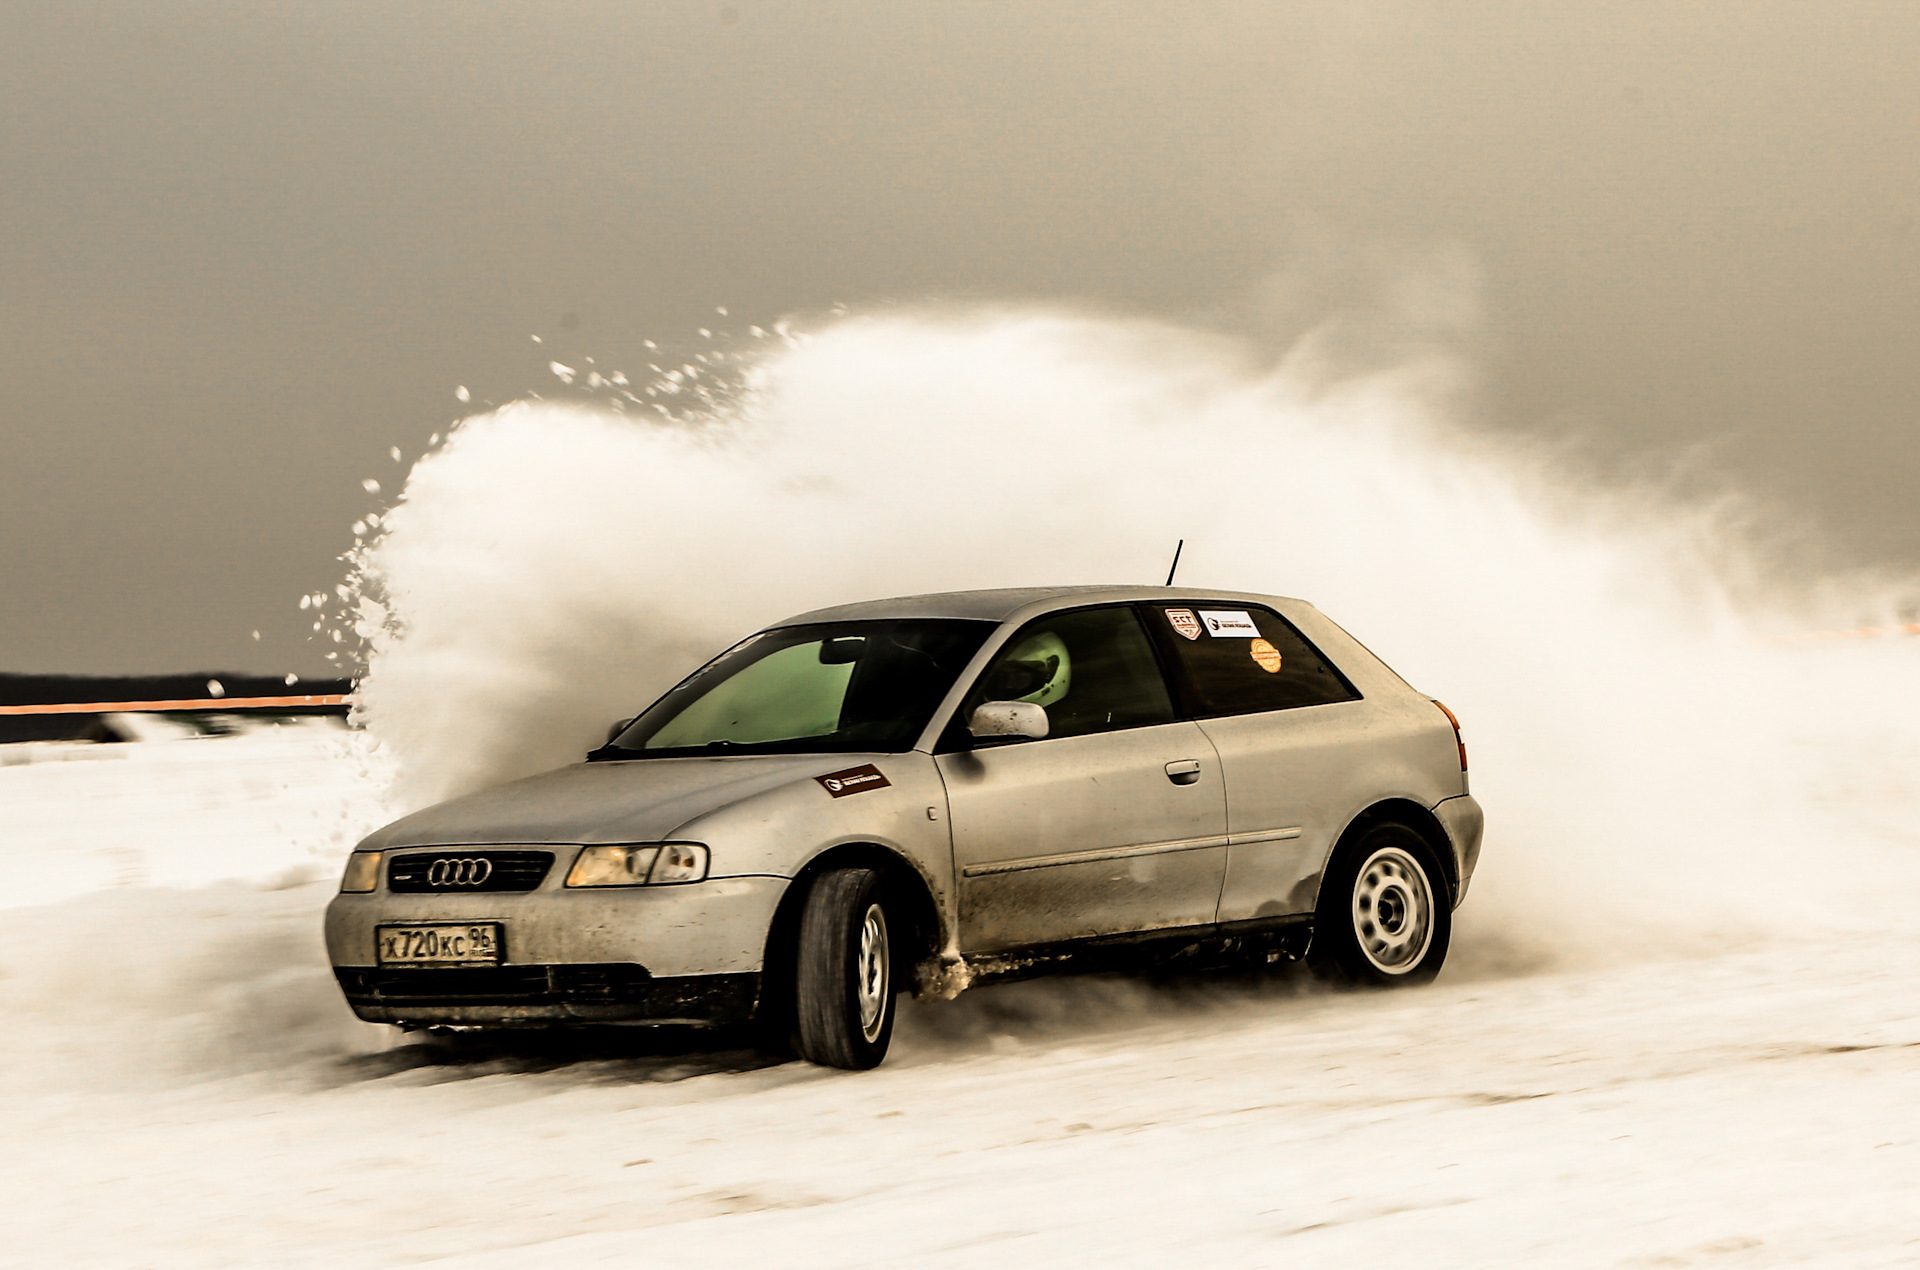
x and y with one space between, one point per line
1385 915
844 998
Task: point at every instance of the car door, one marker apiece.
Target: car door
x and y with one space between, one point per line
1114 822
1292 736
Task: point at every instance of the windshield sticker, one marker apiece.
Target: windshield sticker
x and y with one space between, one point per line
853 780
1183 621
1229 623
1266 654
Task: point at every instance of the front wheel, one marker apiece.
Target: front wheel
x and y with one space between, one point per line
1383 919
843 972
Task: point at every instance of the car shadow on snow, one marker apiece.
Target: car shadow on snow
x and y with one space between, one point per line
1054 1011
1062 1009
599 1055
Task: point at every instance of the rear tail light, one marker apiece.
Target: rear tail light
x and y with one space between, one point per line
1456 735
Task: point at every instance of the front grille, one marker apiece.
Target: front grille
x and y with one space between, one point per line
603 983
460 871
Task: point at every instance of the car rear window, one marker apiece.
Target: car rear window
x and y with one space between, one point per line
1235 658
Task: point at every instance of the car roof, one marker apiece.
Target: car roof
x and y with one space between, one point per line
1009 602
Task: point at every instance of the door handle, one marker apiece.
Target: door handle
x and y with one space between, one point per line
1184 771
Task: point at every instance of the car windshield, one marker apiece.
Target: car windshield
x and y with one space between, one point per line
838 686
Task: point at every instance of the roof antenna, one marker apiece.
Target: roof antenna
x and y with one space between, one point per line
1174 567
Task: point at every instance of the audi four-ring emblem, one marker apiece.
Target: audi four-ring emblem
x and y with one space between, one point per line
471 871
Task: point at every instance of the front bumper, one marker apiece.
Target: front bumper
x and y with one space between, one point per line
657 954
511 995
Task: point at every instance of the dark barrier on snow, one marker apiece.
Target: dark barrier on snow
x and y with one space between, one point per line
80 707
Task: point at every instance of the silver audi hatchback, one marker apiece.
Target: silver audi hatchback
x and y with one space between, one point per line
932 792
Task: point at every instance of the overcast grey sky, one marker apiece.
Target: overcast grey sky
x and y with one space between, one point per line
244 249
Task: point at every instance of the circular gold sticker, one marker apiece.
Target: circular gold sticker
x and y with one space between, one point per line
1266 654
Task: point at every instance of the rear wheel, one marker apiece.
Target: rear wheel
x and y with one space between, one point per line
1383 919
843 972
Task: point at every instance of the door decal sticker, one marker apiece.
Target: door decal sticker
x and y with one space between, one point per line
853 780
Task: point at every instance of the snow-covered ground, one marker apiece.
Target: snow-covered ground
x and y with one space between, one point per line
179 1085
282 801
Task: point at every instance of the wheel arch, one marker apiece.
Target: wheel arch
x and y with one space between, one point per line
1416 817
905 885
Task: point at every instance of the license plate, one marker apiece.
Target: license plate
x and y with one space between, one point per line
443 944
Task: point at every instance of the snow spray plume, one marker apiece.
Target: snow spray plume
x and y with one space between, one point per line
1650 766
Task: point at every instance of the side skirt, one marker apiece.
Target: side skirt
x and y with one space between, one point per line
1219 946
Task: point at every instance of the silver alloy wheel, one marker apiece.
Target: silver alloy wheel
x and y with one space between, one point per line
873 974
1393 911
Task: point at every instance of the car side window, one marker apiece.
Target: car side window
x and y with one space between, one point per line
1239 659
1092 671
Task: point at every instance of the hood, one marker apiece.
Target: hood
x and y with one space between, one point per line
643 800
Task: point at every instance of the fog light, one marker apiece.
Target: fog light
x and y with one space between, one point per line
363 872
612 866
679 862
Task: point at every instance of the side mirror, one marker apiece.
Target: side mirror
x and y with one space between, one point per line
618 728
1008 718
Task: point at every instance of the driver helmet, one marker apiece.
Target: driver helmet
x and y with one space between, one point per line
1038 669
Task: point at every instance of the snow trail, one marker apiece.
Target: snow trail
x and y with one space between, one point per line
1753 1108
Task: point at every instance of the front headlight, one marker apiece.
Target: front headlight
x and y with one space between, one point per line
363 872
650 864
